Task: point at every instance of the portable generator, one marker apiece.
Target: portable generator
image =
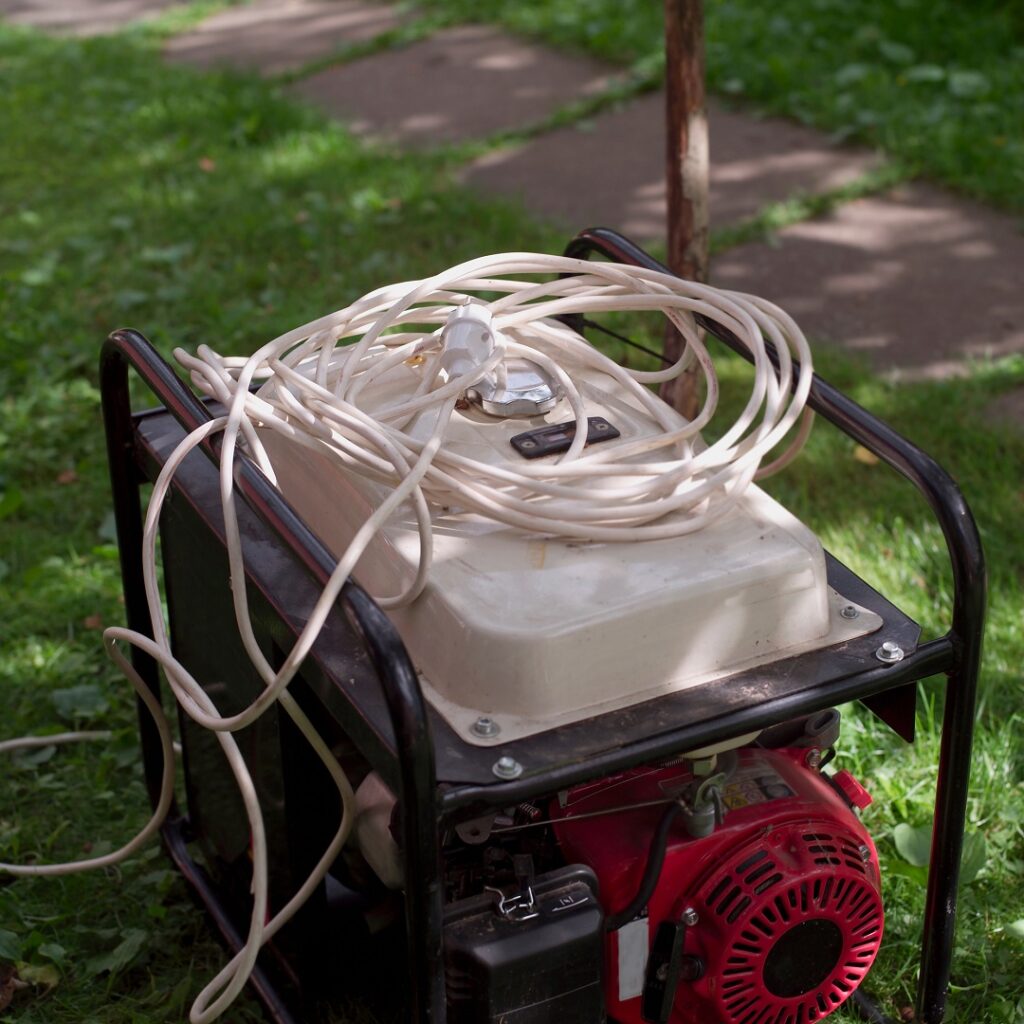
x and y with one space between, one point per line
587 776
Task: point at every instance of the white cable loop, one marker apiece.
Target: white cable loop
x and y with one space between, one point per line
312 391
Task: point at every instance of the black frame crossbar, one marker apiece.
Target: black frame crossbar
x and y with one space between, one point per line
438 777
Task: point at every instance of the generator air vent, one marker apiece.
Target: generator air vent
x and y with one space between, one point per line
804 952
799 922
834 850
754 876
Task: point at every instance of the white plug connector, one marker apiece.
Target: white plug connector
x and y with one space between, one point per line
469 338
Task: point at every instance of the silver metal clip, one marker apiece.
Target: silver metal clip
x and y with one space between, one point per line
520 907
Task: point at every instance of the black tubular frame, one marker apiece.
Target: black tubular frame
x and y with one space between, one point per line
398 678
429 805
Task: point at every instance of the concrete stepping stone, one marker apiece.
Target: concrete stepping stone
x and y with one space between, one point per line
80 17
918 280
461 83
611 170
272 36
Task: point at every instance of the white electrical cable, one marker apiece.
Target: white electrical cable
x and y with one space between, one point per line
313 384
665 485
166 789
57 739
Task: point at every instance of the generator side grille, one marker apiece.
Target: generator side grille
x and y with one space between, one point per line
834 850
798 922
802 953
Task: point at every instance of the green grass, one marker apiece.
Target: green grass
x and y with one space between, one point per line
199 209
205 208
937 84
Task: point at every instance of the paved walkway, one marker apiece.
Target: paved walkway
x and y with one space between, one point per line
916 279
79 17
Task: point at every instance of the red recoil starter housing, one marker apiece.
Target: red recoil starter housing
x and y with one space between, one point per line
780 904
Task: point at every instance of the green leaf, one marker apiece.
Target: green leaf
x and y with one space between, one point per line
171 293
10 501
119 957
128 297
896 52
915 874
52 951
103 934
83 701
43 976
107 530
925 73
966 84
913 844
1016 929
10 946
34 756
167 254
974 857
848 74
42 273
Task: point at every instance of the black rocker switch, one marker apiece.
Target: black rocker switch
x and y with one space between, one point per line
556 437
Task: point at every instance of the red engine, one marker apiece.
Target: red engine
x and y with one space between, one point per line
774 917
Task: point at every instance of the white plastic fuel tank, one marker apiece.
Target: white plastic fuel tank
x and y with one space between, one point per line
534 631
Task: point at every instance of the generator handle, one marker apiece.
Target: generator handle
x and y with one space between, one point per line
963 544
407 710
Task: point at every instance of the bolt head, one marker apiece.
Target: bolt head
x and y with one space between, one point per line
507 768
691 968
690 917
849 611
813 758
485 727
890 652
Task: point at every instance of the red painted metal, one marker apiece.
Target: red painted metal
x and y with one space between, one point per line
789 856
854 792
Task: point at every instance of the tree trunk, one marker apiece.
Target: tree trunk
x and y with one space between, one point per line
686 172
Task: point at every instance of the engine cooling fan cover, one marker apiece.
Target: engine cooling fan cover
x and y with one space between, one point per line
789 926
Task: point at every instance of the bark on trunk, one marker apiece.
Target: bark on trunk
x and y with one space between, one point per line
687 171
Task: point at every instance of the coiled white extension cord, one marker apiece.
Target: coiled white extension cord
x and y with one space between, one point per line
662 486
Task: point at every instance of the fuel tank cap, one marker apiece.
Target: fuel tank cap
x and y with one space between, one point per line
519 388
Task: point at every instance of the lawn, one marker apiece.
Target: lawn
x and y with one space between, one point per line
205 208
